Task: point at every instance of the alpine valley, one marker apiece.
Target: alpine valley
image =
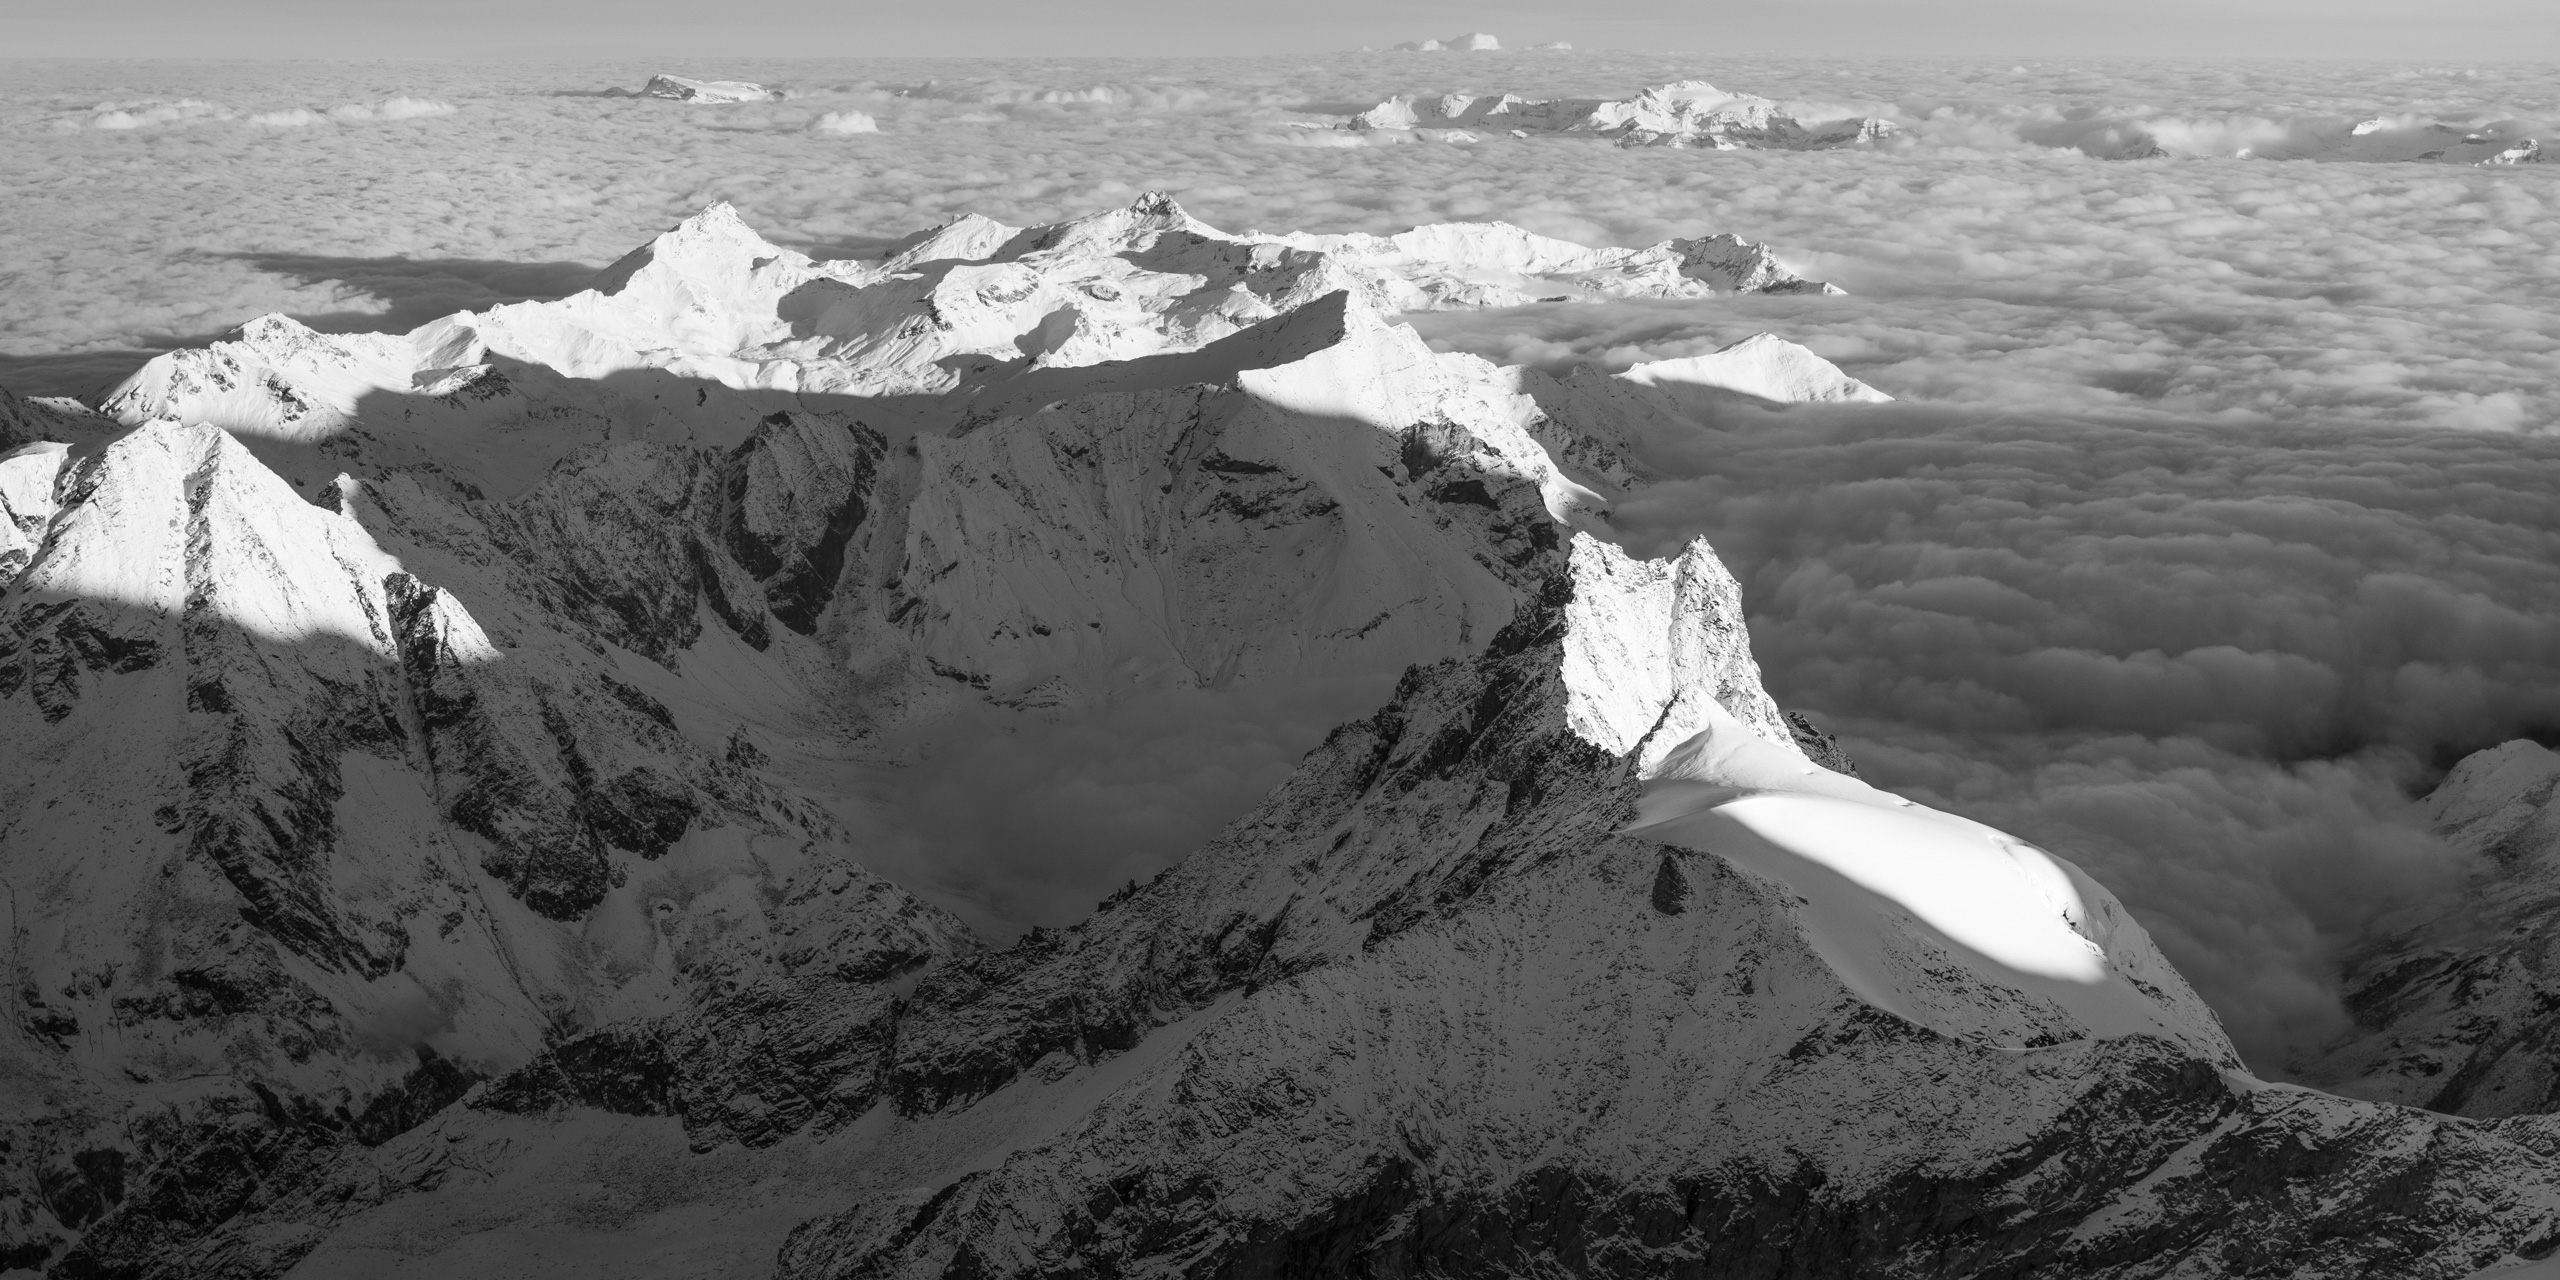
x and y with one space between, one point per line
460 812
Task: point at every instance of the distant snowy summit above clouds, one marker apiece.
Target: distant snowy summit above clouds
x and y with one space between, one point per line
2405 138
2379 139
1689 113
680 89
1695 113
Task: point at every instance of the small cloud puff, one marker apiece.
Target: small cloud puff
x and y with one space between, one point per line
392 109
845 122
122 116
129 116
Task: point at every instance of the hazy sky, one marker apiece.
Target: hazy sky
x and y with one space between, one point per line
2486 29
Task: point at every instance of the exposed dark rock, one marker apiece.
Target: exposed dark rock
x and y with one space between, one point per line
1819 746
796 492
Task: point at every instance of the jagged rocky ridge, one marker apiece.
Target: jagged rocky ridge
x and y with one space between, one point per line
435 735
1689 113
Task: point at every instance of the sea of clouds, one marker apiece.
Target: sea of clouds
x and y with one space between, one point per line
2220 512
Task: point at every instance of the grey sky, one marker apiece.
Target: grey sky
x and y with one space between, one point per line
2393 29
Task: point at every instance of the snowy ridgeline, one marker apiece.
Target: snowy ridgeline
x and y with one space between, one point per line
444 757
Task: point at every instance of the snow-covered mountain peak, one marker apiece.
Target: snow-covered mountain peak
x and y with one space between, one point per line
1898 899
713 246
967 238
1648 644
1133 227
1763 367
253 554
2509 778
272 378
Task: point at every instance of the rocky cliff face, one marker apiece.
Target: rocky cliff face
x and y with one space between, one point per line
433 750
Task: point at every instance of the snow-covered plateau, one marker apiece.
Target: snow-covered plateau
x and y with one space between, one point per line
459 784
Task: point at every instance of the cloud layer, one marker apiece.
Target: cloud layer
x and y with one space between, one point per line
2208 661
